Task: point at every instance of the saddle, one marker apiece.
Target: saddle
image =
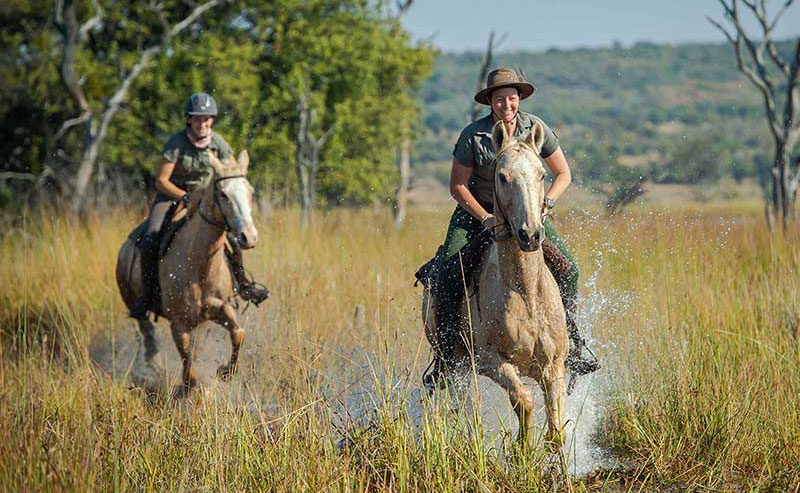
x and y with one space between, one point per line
172 224
558 264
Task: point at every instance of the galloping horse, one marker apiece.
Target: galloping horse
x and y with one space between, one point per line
196 282
518 321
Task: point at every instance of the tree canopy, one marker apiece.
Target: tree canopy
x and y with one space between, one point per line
362 68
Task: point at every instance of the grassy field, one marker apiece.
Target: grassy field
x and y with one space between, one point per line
695 313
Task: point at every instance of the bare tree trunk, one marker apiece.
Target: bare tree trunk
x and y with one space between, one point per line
486 64
404 165
73 35
307 148
404 149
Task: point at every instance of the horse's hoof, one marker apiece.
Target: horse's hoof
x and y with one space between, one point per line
181 392
225 373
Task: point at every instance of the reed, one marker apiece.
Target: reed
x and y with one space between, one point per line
701 358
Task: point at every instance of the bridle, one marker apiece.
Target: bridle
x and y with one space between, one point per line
224 225
504 230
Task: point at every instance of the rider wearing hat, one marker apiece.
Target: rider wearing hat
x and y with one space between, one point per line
469 233
184 166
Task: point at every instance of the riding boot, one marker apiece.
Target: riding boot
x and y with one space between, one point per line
449 325
248 289
150 289
578 363
450 280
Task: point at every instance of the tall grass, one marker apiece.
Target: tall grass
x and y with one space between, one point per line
704 363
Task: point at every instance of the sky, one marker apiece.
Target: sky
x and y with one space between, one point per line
461 25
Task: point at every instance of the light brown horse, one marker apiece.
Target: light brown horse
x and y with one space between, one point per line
196 283
518 322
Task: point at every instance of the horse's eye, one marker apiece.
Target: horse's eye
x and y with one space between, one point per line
503 178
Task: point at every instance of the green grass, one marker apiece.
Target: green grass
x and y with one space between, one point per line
703 363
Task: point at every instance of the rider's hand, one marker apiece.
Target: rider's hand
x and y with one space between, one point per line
488 222
182 203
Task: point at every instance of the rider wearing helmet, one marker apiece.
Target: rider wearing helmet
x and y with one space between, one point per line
472 223
184 166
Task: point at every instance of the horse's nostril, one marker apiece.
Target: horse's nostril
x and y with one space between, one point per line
523 235
536 235
242 239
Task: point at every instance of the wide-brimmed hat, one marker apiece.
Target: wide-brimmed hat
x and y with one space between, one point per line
500 78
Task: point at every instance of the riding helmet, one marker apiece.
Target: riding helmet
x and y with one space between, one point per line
200 103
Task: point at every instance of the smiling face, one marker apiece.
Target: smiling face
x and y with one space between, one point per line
200 124
505 103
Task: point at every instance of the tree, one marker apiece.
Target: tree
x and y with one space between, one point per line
73 35
360 83
308 146
784 123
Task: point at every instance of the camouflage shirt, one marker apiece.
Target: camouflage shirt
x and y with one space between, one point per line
474 149
191 164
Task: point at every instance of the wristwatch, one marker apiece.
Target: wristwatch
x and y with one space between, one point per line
185 199
549 203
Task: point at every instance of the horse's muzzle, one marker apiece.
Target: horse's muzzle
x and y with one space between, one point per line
248 238
527 242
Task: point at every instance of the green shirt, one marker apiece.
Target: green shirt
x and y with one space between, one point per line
191 164
474 149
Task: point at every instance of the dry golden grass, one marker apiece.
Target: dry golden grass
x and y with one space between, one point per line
702 357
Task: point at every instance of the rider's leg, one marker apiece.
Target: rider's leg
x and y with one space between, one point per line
577 362
248 289
459 257
149 257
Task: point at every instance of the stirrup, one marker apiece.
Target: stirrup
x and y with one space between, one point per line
254 292
433 377
579 365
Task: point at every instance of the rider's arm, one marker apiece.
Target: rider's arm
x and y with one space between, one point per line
163 184
562 177
459 179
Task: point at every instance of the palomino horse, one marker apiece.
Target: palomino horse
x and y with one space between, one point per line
196 283
518 321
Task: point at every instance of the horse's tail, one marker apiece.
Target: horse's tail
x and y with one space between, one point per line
128 273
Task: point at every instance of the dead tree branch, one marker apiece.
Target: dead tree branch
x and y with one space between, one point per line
784 127
486 64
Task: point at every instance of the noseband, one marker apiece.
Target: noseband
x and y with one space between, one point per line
224 226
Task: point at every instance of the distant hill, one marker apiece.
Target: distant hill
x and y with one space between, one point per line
675 114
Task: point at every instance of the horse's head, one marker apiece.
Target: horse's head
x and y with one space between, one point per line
519 184
231 203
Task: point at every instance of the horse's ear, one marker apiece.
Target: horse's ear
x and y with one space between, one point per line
499 135
215 163
244 161
536 137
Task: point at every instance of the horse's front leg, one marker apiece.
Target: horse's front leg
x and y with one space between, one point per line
507 376
224 314
182 335
554 388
